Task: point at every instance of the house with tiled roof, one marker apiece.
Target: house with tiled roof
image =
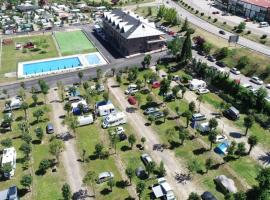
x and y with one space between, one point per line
131 34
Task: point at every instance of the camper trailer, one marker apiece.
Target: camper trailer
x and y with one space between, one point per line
106 109
114 119
15 104
9 157
196 84
85 120
203 127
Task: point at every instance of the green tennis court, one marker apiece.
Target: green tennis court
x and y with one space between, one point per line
73 42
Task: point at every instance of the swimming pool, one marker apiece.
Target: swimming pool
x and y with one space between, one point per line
51 65
56 65
93 59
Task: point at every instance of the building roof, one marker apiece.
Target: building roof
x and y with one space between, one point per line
130 25
262 3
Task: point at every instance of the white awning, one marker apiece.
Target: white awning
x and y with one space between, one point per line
157 191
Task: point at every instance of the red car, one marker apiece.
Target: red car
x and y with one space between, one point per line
156 84
132 100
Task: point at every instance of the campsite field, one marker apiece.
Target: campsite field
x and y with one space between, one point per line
73 42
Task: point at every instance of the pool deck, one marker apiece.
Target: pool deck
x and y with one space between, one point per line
81 57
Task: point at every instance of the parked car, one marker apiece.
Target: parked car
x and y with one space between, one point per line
235 71
232 113
201 53
150 110
157 115
49 128
146 159
104 176
208 196
132 100
169 97
268 86
247 85
176 78
198 117
221 138
122 136
220 64
156 84
211 58
131 91
222 32
140 172
256 80
202 91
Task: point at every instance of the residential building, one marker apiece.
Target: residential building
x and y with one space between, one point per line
9 194
258 10
131 34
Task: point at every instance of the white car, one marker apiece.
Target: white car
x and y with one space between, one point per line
221 138
247 85
104 176
256 80
120 129
235 71
146 159
202 91
131 91
268 86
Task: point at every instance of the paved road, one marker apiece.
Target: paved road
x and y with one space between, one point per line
71 77
171 163
214 30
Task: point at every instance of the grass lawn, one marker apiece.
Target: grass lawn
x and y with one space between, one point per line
212 99
73 42
10 56
47 186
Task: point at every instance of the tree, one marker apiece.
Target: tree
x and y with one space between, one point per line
138 97
6 168
114 140
146 77
66 192
147 60
8 120
187 114
252 141
161 169
200 100
208 164
73 123
231 149
175 46
183 135
186 53
44 88
140 187
150 167
175 90
67 107
212 138
185 26
241 149
80 75
119 78
143 140
111 183
27 138
166 113
213 123
263 179
248 123
193 196
183 91
131 140
25 106
240 196
164 86
130 173
80 106
99 73
242 62
192 106
98 150
241 27
26 181
105 96
38 114
89 178
26 149
151 118
55 148
149 98
39 133
6 142
35 99
44 165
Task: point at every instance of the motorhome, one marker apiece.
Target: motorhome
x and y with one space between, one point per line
15 103
114 119
9 157
196 84
106 109
85 120
163 190
203 127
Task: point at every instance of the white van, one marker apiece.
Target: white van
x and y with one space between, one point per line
264 24
85 120
114 119
196 84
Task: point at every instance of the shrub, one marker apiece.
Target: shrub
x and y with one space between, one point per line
224 23
215 20
263 36
262 41
192 9
24 50
44 165
196 12
202 14
209 17
248 32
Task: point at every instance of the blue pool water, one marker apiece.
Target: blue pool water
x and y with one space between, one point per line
93 59
51 65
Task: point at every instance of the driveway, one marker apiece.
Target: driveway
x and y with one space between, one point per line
69 155
171 163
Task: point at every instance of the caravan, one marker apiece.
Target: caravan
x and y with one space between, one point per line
9 157
114 119
196 84
85 120
15 103
104 110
